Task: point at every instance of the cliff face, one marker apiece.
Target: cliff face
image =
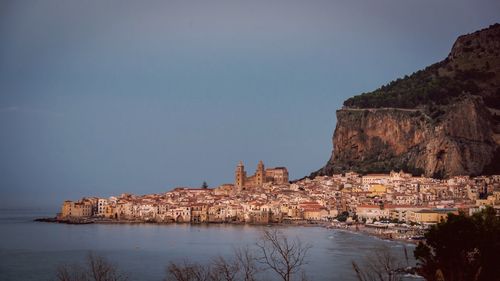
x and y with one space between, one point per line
439 131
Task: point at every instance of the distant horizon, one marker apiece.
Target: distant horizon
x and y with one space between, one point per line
100 99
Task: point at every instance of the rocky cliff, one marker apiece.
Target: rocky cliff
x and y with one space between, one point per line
440 121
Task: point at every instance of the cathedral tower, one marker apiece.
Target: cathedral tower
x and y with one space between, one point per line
240 176
260 174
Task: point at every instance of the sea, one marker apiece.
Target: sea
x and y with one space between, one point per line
34 250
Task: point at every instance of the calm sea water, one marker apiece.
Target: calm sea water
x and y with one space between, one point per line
32 251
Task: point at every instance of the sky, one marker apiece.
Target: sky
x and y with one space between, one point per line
98 98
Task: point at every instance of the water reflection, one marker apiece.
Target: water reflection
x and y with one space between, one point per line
32 251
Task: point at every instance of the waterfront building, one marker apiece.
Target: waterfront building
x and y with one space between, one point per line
371 212
66 209
430 216
180 214
79 209
199 213
101 206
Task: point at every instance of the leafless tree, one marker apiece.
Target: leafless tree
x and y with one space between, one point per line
70 273
240 267
188 271
382 265
246 260
225 270
283 256
96 268
275 251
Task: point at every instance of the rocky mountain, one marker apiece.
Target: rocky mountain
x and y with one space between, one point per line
441 121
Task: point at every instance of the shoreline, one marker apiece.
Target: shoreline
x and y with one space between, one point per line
361 229
382 236
113 221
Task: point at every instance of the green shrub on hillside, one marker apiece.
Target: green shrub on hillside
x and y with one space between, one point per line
422 88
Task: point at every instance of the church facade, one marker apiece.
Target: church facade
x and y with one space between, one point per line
278 175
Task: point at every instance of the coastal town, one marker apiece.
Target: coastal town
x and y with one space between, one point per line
395 204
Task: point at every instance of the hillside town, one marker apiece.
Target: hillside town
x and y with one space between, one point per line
268 197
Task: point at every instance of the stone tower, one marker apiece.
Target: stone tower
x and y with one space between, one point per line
240 176
260 174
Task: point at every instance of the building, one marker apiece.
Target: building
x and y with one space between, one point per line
427 216
401 212
199 213
313 211
101 206
399 176
278 175
72 209
66 209
370 212
377 189
180 214
375 179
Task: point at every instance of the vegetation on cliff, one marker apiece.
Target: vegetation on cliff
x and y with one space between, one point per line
423 88
470 69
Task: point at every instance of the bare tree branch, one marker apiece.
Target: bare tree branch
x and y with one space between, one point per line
97 268
275 251
382 265
225 270
283 256
246 261
188 272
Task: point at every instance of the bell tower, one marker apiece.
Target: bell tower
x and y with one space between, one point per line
240 176
260 174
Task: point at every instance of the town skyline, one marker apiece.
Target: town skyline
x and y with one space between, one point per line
268 197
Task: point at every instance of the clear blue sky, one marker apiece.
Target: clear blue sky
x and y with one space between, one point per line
104 97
